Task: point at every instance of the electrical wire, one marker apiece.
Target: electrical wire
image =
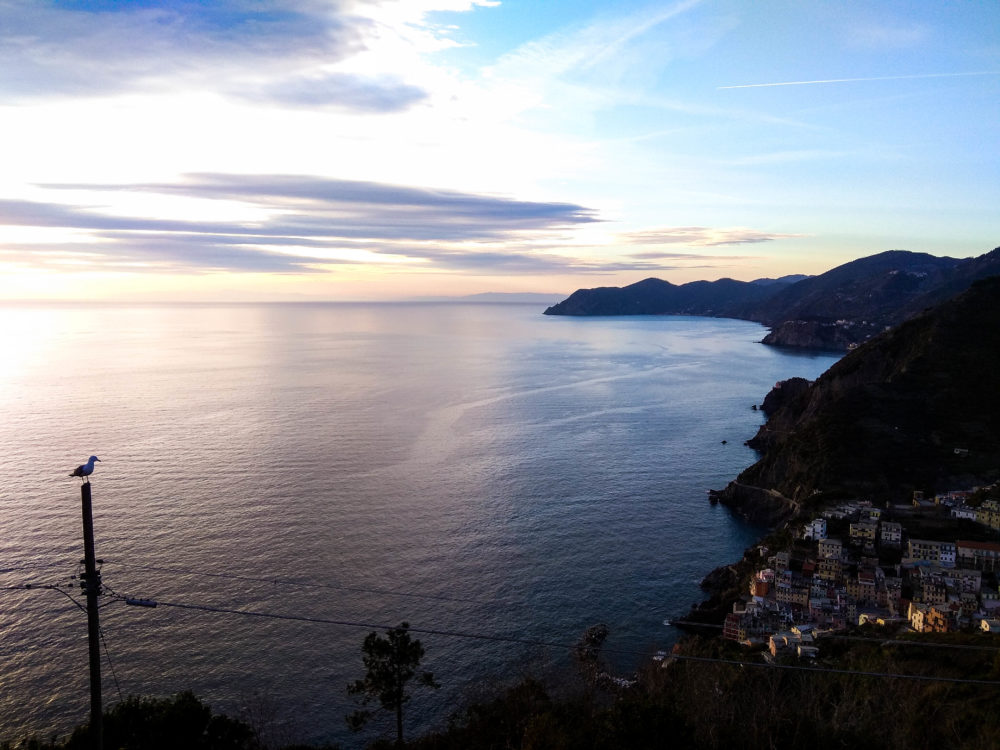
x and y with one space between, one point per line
852 672
100 630
552 644
31 566
901 642
46 587
107 655
528 641
290 582
883 641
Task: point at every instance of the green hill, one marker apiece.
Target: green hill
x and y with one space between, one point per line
835 310
917 407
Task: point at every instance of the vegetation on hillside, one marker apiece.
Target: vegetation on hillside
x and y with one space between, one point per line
710 695
835 310
917 408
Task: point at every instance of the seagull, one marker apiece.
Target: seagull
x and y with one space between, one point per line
85 470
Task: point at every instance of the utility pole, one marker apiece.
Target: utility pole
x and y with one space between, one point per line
92 585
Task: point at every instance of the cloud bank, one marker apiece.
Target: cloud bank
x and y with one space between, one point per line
284 52
304 223
703 236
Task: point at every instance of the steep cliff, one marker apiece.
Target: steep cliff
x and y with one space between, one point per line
917 407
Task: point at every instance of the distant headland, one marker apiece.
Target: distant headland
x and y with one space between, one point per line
836 310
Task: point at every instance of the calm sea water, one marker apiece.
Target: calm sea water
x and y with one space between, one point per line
480 469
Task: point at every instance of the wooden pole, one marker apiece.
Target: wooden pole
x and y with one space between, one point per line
93 589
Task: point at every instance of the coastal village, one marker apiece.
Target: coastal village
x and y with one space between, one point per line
858 563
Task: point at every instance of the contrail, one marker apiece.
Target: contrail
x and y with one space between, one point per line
854 80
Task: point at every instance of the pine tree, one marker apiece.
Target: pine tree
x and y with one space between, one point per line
391 662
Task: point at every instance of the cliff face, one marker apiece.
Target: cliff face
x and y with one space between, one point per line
815 334
917 407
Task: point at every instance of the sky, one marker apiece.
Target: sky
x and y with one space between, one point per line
259 150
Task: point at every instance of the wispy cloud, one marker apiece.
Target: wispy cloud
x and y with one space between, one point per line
309 224
341 91
702 236
305 223
860 80
788 157
616 43
287 52
704 261
883 36
609 58
80 49
320 207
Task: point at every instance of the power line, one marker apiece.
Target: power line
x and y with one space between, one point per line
107 655
304 584
537 642
883 641
44 587
852 672
59 589
901 642
501 638
278 581
150 602
30 566
552 644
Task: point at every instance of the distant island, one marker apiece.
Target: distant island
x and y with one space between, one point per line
836 310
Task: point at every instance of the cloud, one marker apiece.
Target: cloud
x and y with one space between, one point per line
351 209
277 51
861 80
708 259
888 36
305 223
702 236
606 46
325 223
785 157
536 263
341 91
100 47
157 254
308 222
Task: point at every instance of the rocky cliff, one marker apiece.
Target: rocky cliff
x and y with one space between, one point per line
917 407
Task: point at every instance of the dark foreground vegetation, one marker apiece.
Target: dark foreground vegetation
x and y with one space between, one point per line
700 700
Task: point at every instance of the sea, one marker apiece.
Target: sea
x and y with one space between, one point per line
283 479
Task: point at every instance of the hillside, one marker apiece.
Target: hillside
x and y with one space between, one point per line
862 289
915 408
835 310
656 297
853 302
